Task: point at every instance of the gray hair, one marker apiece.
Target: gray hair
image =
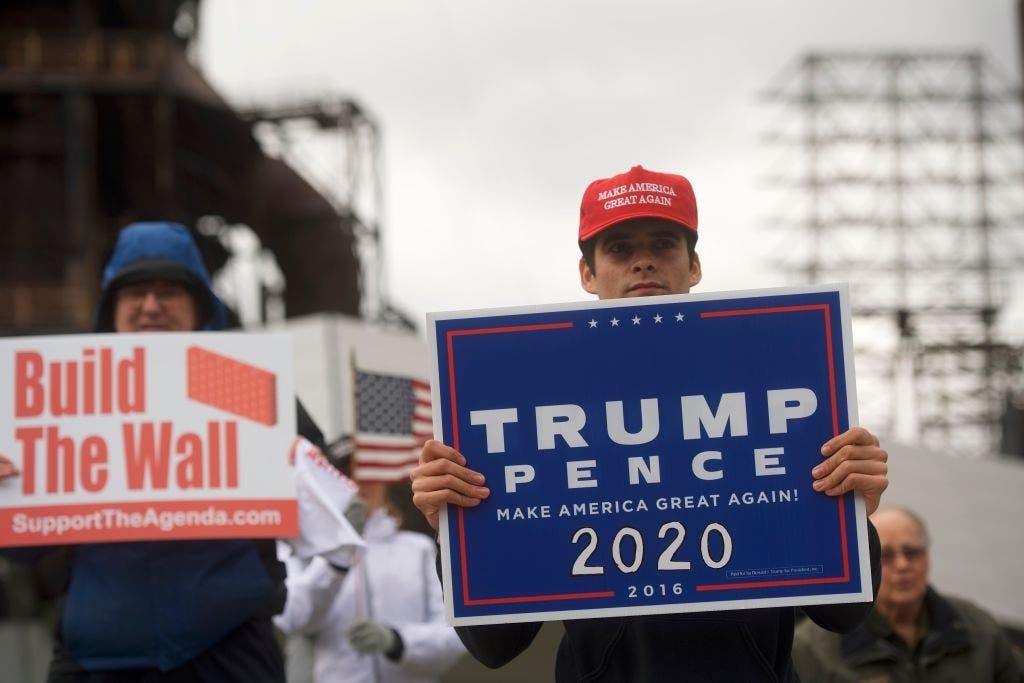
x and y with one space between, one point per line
922 528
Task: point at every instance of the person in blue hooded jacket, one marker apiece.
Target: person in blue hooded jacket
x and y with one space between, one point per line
178 611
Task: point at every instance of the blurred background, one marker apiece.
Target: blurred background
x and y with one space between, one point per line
360 164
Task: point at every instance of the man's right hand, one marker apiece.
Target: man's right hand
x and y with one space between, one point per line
442 477
7 468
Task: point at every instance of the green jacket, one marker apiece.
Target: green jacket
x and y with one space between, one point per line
963 644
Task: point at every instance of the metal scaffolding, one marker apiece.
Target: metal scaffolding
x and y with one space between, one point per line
335 145
902 175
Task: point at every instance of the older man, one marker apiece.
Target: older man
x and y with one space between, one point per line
914 634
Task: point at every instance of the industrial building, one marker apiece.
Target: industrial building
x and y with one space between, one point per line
105 120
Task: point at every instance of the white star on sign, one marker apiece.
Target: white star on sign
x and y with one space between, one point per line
657 319
593 323
615 322
636 320
679 317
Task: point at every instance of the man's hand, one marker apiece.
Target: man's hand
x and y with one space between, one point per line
7 468
854 462
442 477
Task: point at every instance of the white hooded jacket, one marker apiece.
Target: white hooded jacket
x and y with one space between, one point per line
395 584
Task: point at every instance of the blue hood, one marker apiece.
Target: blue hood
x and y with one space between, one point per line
165 251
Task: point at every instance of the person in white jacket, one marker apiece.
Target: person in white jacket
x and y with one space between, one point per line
381 620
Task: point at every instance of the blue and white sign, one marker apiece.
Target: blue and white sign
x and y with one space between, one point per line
648 455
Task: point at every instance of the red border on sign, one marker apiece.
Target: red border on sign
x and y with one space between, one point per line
845 576
463 559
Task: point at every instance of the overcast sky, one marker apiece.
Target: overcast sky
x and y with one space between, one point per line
495 116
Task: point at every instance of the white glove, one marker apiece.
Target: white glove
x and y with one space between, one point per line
372 637
356 513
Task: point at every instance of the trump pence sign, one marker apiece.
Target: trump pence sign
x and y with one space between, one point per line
146 437
648 455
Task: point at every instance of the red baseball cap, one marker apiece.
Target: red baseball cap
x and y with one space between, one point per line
637 193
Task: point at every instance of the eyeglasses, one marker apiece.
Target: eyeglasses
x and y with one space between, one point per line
911 553
163 291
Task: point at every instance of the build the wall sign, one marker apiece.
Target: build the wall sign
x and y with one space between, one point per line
146 437
648 455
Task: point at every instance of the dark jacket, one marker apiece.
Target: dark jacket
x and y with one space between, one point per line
742 645
962 643
160 604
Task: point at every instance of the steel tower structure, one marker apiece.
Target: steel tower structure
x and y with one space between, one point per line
902 175
335 144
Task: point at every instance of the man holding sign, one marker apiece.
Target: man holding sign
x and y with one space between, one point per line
637 236
185 610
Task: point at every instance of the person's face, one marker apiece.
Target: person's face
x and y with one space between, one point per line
904 561
374 493
640 257
154 306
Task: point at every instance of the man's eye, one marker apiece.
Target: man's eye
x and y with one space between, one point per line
133 291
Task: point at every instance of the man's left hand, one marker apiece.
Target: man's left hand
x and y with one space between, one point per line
854 462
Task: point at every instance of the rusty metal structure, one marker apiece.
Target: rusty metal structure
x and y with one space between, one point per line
334 143
902 175
104 121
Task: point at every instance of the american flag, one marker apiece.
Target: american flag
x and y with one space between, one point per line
393 420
